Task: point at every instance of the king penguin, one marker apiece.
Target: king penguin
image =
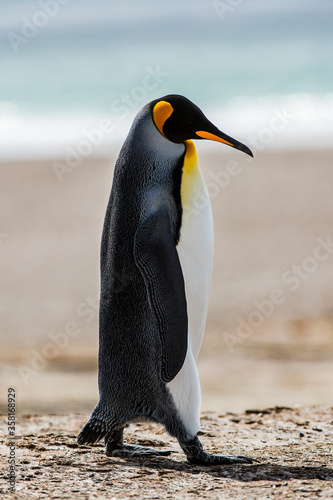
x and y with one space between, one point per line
156 268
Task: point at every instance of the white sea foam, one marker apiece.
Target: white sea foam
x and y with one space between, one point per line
296 121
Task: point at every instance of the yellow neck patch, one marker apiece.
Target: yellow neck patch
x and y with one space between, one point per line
190 155
161 112
191 176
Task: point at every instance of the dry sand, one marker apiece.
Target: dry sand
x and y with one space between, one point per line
294 449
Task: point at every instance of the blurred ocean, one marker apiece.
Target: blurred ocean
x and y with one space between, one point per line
76 70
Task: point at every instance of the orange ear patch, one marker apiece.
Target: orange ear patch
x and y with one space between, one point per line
161 112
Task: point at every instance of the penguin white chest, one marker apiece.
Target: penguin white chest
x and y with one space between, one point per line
195 251
195 248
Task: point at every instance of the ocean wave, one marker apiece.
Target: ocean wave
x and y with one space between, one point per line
293 121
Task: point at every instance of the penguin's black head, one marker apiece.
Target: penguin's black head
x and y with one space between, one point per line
179 119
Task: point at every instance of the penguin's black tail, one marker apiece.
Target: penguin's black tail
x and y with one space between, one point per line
93 431
98 426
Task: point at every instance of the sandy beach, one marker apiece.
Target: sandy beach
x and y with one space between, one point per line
269 331
292 446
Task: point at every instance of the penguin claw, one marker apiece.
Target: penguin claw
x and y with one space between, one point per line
209 459
248 459
132 450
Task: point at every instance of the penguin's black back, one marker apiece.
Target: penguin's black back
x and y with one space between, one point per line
148 167
148 171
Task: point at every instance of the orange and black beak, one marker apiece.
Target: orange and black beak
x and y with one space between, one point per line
219 136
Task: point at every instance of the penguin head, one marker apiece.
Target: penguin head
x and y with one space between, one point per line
178 119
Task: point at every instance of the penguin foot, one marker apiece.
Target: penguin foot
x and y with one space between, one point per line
209 459
196 455
132 450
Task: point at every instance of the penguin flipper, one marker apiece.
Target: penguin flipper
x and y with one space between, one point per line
157 258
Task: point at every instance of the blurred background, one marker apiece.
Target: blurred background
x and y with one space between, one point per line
74 74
